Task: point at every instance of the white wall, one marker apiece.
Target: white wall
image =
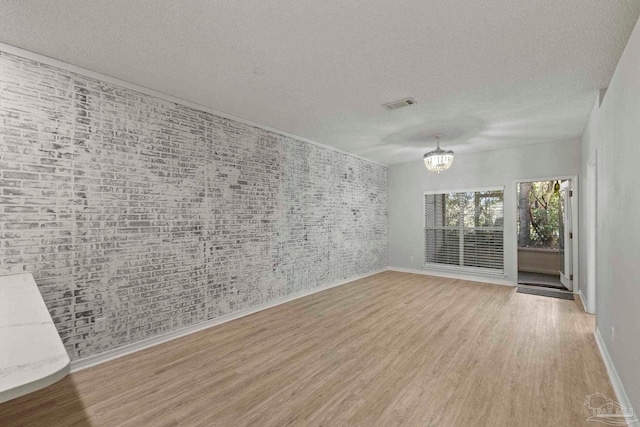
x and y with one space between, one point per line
614 130
407 183
588 153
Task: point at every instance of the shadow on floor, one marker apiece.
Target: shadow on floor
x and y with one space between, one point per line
56 405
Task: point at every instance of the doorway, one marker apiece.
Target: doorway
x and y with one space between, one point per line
544 234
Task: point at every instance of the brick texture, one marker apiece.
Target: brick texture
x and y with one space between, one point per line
157 216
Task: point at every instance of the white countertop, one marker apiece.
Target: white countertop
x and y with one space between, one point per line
32 355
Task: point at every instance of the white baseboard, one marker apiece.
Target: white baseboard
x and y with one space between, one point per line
87 362
584 303
454 275
616 383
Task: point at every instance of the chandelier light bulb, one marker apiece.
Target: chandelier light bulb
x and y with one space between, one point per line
438 159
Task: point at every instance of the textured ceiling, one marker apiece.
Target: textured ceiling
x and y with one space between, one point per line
487 74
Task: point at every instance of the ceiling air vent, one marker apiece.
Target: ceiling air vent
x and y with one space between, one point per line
399 104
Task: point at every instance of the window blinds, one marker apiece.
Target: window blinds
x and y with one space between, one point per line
465 230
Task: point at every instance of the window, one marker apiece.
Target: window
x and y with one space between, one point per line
465 230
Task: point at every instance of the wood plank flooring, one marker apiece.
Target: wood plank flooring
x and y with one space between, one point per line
390 349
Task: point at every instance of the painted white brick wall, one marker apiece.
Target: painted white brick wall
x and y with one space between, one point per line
156 216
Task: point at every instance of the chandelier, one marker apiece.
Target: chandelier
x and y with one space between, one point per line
438 159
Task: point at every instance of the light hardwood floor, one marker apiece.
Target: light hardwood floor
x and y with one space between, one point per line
390 349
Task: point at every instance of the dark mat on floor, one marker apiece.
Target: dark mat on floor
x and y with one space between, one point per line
545 293
544 285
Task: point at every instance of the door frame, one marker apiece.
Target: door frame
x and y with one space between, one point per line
574 223
567 281
591 218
